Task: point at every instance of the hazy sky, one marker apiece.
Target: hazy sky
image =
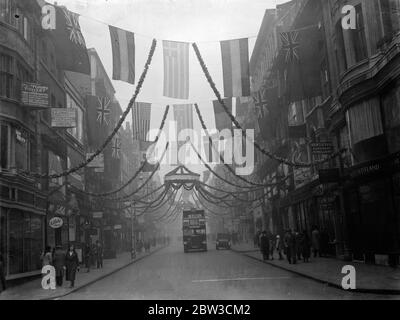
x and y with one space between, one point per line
204 21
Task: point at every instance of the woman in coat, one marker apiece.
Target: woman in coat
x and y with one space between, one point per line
306 246
72 264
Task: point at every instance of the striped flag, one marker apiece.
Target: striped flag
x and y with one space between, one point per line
123 49
183 115
141 120
176 69
235 67
222 120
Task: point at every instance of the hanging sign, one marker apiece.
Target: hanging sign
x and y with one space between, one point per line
35 95
322 148
63 117
56 222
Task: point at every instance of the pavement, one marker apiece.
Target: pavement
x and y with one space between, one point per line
369 278
171 274
32 290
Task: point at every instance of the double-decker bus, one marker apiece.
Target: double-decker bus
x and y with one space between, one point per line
194 230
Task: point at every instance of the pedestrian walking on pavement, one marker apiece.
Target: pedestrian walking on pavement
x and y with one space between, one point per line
257 239
59 265
293 247
286 240
99 255
72 265
324 243
305 246
271 245
298 238
264 245
315 238
279 246
88 257
46 257
2 273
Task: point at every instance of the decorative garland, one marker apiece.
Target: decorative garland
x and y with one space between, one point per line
233 119
116 129
208 209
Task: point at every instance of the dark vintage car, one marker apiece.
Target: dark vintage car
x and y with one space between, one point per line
223 241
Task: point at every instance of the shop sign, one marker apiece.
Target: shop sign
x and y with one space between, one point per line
327 203
35 95
63 117
117 227
322 148
97 215
56 222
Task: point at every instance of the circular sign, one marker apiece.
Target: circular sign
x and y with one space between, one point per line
56 222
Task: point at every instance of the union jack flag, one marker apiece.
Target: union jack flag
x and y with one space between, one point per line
290 45
116 148
261 103
75 33
103 112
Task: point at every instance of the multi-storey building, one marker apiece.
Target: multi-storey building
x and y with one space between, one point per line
356 110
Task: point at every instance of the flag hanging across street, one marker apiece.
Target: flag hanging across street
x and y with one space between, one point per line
123 50
300 57
141 113
176 69
116 147
70 44
296 121
222 120
96 119
183 115
235 67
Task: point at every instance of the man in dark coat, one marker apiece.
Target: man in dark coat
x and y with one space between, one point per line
264 245
2 273
72 264
59 264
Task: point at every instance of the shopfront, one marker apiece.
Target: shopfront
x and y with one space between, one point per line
372 201
21 241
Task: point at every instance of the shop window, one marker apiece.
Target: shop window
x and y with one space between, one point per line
4 146
7 76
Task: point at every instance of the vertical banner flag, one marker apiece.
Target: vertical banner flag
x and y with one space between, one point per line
69 42
176 69
141 113
222 120
183 115
296 120
98 119
123 50
302 62
235 67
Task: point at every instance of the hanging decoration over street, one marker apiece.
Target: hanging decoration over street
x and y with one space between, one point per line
141 114
123 50
235 66
176 69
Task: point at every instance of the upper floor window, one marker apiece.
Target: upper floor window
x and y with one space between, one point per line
340 48
8 9
390 16
4 146
358 38
7 76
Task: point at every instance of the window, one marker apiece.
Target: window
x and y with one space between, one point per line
358 37
340 48
390 16
7 11
7 76
22 157
391 110
4 146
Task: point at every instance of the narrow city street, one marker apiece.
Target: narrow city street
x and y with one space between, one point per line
170 274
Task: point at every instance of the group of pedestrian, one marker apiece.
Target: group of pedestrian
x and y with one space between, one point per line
296 246
63 262
93 256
